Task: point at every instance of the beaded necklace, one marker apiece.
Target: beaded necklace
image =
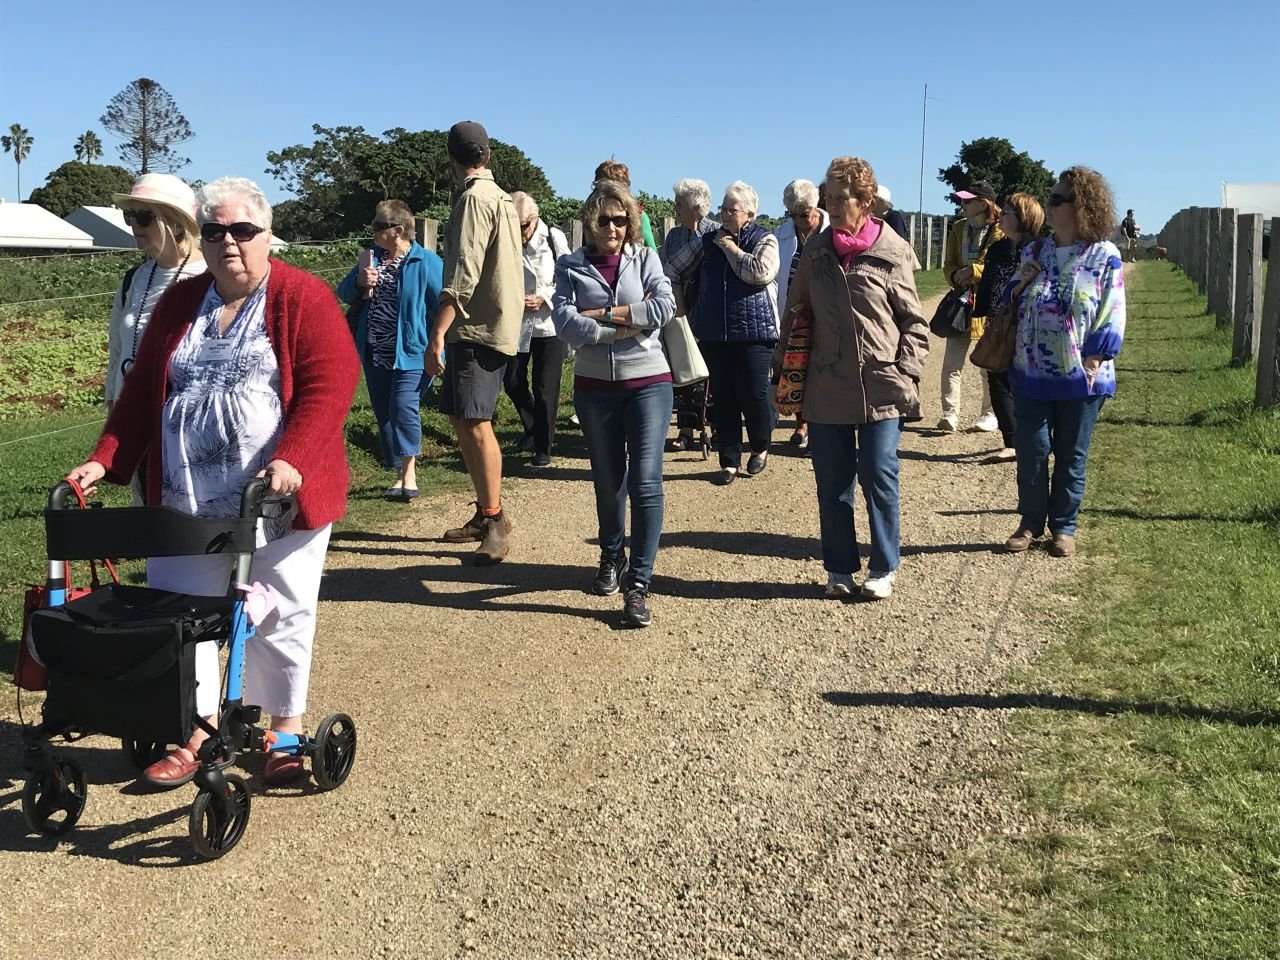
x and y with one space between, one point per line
142 305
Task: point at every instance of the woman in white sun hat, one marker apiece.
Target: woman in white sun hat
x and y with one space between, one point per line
161 212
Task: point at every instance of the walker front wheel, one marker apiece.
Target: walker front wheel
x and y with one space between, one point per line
335 751
53 800
213 832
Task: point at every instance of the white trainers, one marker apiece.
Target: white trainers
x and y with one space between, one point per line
947 424
987 423
878 586
839 586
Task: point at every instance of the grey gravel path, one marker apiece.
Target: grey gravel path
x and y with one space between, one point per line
747 778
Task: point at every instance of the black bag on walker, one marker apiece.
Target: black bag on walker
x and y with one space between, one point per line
121 660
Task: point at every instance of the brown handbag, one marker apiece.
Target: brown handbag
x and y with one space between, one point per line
789 393
994 351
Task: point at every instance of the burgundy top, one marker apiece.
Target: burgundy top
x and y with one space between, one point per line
607 264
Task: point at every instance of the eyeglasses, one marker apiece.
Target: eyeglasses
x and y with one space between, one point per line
240 232
727 210
377 225
800 214
1057 200
142 218
525 225
619 222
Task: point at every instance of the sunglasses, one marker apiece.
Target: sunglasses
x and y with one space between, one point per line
619 222
240 232
1057 200
377 225
142 218
525 225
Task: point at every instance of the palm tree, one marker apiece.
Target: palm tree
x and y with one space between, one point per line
88 147
19 140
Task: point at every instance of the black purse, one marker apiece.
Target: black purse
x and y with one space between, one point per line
953 316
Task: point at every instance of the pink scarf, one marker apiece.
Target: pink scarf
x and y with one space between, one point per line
847 246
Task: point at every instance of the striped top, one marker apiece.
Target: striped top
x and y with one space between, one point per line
383 319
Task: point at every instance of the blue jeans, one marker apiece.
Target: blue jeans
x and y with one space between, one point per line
396 398
1063 427
844 454
621 426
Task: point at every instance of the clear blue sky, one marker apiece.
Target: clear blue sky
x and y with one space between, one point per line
1167 99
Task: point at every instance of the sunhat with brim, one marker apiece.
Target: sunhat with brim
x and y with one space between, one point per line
979 188
162 190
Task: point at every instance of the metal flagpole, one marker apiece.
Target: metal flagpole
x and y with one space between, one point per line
924 120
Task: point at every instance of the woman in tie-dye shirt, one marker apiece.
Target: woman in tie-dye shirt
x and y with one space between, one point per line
1070 329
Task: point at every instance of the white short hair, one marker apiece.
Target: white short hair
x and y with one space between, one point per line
229 190
799 193
526 206
695 193
745 195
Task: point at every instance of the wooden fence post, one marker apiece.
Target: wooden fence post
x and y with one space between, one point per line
913 233
1268 385
1210 287
427 233
573 232
942 250
928 243
1244 342
1226 268
668 224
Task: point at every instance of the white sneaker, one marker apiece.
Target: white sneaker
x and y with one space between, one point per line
573 418
947 424
878 586
839 586
987 423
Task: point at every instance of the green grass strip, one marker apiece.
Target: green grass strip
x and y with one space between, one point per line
1153 768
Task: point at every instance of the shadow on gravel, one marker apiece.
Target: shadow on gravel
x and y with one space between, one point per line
923 700
943 457
106 842
788 547
977 513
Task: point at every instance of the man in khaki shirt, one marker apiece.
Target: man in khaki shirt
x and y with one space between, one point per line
481 309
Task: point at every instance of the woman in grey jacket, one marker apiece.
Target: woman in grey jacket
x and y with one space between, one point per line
611 302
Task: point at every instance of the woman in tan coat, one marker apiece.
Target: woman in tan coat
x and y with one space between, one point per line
867 353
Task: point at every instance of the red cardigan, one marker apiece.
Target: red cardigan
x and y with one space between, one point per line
318 373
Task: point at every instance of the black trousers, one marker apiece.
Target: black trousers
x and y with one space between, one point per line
537 408
741 392
1002 404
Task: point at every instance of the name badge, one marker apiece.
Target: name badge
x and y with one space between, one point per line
216 351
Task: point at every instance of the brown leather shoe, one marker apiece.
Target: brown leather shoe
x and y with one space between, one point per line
172 770
494 547
1020 542
472 530
1062 545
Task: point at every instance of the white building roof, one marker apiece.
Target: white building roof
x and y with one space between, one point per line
30 226
106 225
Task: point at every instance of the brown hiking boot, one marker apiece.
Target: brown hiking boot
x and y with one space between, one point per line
472 530
1062 545
1020 542
494 547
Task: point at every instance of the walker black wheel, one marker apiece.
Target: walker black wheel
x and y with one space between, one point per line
143 753
706 448
335 752
52 801
212 831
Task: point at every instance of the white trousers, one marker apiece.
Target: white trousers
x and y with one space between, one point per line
278 657
954 357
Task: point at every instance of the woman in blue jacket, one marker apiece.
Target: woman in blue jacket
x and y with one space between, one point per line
736 323
397 286
611 301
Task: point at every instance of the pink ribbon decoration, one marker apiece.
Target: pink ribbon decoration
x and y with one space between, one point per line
259 601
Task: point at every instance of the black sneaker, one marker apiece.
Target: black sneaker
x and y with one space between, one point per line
608 579
635 608
540 460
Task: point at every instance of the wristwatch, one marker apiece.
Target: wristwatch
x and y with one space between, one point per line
608 315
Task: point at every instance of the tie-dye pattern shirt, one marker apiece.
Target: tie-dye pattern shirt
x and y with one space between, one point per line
1065 314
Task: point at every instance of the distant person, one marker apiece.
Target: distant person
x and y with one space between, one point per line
884 210
962 264
161 212
541 351
1071 319
619 173
612 300
736 323
803 222
1129 232
681 255
1021 220
397 293
480 315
